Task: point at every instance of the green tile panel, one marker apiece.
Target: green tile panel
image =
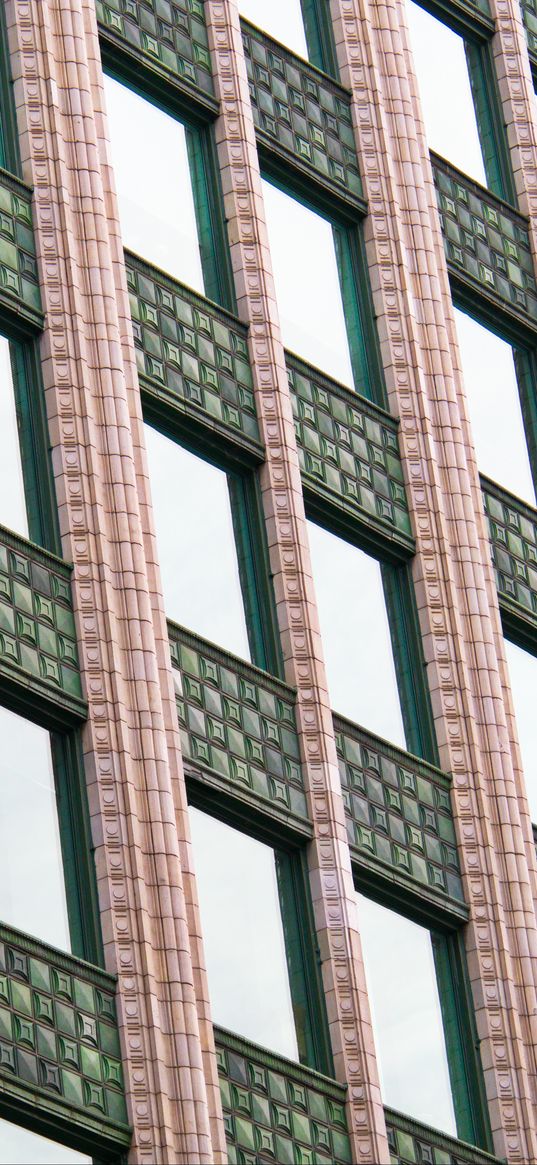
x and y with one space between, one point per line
167 37
513 541
59 1044
238 727
38 648
191 354
486 242
399 819
275 1110
349 452
19 283
412 1143
303 116
529 16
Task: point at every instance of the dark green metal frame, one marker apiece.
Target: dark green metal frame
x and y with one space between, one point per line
319 36
9 141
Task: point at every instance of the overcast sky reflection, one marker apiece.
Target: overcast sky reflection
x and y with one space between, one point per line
12 505
522 667
19 1146
281 19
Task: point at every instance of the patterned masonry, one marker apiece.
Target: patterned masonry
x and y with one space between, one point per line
37 630
529 16
398 814
275 1110
238 726
486 242
349 453
191 354
19 286
302 115
59 1043
412 1143
513 538
168 36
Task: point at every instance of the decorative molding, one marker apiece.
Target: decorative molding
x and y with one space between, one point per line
20 298
513 540
410 1142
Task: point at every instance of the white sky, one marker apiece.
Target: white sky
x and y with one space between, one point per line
12 503
19 1146
523 675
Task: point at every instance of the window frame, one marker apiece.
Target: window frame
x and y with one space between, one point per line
9 138
524 636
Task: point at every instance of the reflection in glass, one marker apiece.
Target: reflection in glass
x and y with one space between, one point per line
523 676
32 890
355 634
152 176
19 1146
307 285
243 934
196 544
406 1015
491 386
281 19
12 501
444 116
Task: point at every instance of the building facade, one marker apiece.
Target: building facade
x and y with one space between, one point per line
268 581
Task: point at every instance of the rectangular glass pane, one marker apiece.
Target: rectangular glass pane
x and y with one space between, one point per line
19 1146
445 91
243 934
152 176
196 544
355 634
32 889
306 278
523 676
12 500
406 1016
281 19
491 386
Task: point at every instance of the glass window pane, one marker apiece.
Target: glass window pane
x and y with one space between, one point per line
281 19
12 503
356 635
523 676
19 1146
196 544
406 1015
491 386
445 92
307 284
32 890
152 176
243 934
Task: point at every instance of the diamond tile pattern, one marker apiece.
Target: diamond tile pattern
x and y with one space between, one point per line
486 242
58 1032
37 629
302 114
192 354
398 812
348 451
513 539
529 16
411 1143
238 723
19 285
169 34
277 1111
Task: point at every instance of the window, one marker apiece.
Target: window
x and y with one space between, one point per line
420 1037
456 87
304 26
169 212
522 667
19 1146
209 547
252 938
12 492
313 262
490 366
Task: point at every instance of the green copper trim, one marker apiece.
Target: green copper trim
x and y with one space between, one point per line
238 729
38 646
163 40
513 541
410 1142
349 457
192 356
303 117
399 819
529 17
59 1043
277 1110
20 298
487 245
